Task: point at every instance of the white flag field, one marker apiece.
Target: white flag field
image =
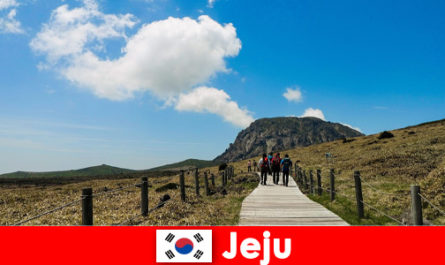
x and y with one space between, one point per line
194 246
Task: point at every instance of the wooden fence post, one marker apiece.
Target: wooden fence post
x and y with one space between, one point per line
300 176
87 206
144 196
197 182
319 191
294 170
416 205
303 178
297 177
306 184
213 179
206 184
332 185
182 184
358 194
311 181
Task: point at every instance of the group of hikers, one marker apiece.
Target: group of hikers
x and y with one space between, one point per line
272 165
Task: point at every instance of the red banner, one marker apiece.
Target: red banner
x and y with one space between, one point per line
308 245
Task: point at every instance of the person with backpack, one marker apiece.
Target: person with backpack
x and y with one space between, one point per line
255 168
249 166
264 165
276 166
269 158
286 165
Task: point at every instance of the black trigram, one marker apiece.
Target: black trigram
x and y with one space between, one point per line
170 254
169 238
198 254
198 237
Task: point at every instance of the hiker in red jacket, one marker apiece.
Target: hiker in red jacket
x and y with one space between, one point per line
276 166
264 165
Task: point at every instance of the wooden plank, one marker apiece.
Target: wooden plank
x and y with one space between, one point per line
281 206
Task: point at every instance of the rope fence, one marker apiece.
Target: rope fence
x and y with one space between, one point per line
431 204
383 213
377 190
47 212
304 179
310 185
86 199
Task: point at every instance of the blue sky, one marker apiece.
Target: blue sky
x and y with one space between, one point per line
138 83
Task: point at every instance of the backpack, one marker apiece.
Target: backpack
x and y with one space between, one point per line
276 162
286 164
265 163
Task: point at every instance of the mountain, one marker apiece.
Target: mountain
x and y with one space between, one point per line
189 163
276 134
102 170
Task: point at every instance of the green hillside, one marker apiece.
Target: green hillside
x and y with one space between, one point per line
102 170
189 163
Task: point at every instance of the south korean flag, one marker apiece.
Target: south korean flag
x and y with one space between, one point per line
178 246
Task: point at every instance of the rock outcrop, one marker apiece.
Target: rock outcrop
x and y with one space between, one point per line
277 134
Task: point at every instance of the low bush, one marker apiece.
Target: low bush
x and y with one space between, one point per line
385 135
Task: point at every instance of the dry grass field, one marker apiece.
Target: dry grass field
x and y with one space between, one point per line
19 202
415 155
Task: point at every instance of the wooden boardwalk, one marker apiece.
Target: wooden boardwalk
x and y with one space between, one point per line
277 205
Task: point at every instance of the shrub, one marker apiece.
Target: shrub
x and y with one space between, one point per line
386 135
222 166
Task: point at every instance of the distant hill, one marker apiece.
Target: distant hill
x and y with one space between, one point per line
186 164
102 170
99 172
276 134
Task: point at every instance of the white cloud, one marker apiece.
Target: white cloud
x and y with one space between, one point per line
310 112
211 100
165 64
354 128
317 113
68 31
293 95
167 58
8 22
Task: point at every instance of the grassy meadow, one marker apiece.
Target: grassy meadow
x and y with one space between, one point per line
19 202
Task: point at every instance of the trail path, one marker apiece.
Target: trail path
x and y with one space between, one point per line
277 205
